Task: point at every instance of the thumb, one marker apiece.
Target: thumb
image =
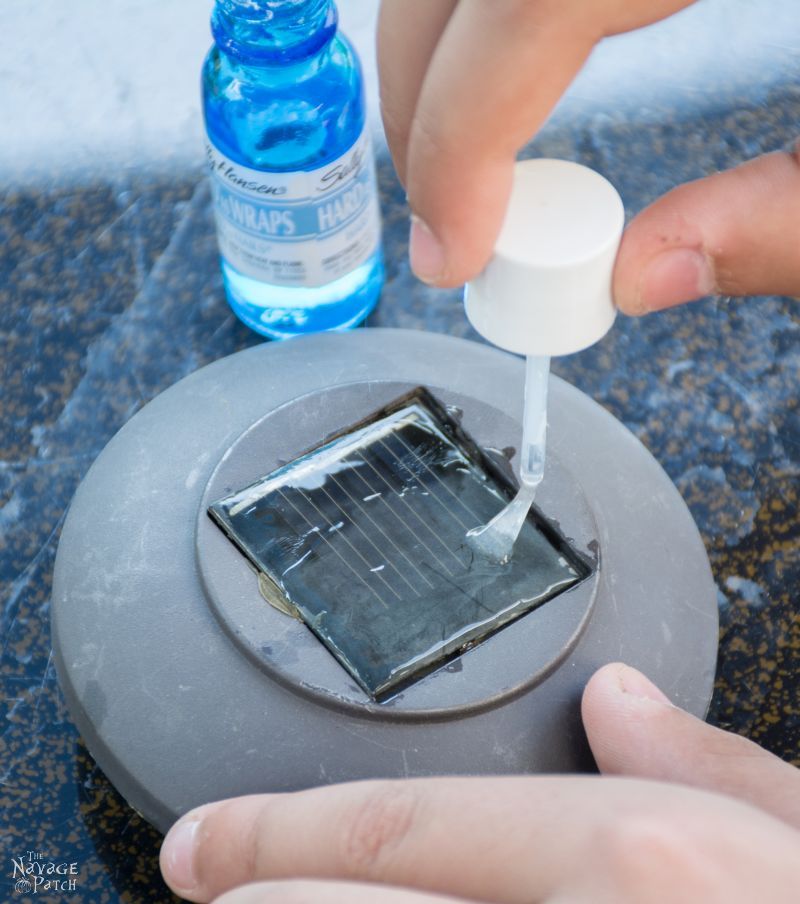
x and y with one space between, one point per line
733 233
634 730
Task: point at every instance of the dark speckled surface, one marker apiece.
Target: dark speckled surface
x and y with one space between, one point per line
110 292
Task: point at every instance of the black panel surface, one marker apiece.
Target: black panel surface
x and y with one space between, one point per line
364 537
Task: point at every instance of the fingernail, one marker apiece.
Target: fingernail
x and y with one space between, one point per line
426 252
675 276
635 684
177 855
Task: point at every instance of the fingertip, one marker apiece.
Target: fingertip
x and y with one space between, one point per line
456 219
662 259
636 684
732 232
603 683
619 706
446 264
176 857
178 854
610 682
426 253
670 278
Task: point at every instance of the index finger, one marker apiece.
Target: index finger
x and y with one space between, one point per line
495 839
496 74
408 32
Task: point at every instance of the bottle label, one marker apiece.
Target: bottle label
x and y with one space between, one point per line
297 229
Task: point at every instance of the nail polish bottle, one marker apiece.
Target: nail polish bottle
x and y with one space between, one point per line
292 171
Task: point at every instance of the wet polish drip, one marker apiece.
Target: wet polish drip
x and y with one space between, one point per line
496 540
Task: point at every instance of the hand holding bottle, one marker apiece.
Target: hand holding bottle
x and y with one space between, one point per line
465 84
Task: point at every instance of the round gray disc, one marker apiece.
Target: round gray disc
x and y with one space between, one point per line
188 687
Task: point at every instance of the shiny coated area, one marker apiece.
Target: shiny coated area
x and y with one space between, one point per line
365 538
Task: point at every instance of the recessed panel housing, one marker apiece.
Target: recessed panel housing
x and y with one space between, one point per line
364 539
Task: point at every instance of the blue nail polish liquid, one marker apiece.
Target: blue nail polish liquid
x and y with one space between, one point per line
292 171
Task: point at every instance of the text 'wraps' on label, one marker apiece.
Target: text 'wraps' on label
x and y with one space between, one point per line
297 229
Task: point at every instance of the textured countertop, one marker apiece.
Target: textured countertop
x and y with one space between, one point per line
110 292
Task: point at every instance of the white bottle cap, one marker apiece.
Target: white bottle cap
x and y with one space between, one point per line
547 290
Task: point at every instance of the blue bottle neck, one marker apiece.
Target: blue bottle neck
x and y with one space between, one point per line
273 32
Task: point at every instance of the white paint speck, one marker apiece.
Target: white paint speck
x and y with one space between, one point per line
748 590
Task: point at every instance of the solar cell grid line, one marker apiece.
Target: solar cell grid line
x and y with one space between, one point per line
418 517
311 524
347 540
436 476
369 540
406 524
379 528
422 483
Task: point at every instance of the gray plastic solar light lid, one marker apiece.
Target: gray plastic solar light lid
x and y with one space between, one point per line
187 686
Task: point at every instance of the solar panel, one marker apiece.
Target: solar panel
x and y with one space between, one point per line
363 538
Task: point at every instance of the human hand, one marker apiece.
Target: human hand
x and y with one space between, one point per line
732 837
466 83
